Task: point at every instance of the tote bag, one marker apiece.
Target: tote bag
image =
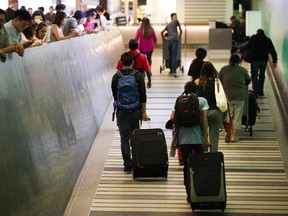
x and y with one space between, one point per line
220 96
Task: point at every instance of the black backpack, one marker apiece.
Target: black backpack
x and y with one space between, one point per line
187 112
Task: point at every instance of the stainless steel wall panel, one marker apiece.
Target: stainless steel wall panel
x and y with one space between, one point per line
52 102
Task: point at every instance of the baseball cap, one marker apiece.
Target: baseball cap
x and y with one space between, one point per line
60 7
79 14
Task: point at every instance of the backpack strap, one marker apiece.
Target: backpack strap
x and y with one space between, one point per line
135 58
132 73
119 73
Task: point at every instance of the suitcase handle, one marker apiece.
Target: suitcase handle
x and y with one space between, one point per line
140 123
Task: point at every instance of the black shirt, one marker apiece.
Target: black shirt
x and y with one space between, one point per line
9 14
263 46
208 93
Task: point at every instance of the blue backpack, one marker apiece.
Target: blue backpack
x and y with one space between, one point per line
128 95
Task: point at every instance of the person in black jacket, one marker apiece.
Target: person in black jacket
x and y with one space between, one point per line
196 64
128 119
13 4
263 46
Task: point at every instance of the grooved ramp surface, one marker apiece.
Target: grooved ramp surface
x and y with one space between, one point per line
255 176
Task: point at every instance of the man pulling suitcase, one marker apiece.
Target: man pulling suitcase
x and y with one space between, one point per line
129 93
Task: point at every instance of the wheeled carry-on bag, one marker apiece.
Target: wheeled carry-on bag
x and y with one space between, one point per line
249 117
207 184
149 153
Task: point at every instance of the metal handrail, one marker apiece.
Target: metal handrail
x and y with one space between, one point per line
280 90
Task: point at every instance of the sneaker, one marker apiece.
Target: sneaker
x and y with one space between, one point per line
127 170
175 75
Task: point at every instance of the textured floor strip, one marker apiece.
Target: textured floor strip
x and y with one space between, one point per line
255 177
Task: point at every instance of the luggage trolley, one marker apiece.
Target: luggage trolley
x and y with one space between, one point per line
165 55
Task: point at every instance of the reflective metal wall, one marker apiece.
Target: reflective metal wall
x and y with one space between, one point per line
52 102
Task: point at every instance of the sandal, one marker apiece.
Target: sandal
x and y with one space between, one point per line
228 137
234 141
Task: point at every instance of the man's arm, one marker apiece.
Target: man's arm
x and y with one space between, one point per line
143 112
162 32
247 78
3 56
180 29
142 95
114 86
73 31
18 48
119 65
273 53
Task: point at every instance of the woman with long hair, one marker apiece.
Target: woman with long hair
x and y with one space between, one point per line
56 33
206 89
147 38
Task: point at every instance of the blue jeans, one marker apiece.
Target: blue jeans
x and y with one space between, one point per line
215 121
173 50
127 121
258 76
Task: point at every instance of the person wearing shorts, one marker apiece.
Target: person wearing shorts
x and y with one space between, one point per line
236 109
235 80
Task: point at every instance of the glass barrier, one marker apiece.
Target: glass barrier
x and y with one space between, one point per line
52 102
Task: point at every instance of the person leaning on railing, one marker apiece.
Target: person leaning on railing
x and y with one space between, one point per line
5 44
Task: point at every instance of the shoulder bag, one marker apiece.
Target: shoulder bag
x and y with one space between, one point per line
220 96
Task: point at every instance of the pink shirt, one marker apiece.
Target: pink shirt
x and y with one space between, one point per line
146 45
89 25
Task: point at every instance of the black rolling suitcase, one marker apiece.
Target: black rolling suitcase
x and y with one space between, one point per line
149 153
206 179
249 117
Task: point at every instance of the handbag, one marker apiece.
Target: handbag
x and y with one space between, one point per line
220 96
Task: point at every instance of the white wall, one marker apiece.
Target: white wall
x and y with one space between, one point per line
161 10
274 24
113 6
34 4
3 4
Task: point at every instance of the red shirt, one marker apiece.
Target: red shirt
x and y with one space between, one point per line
141 62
